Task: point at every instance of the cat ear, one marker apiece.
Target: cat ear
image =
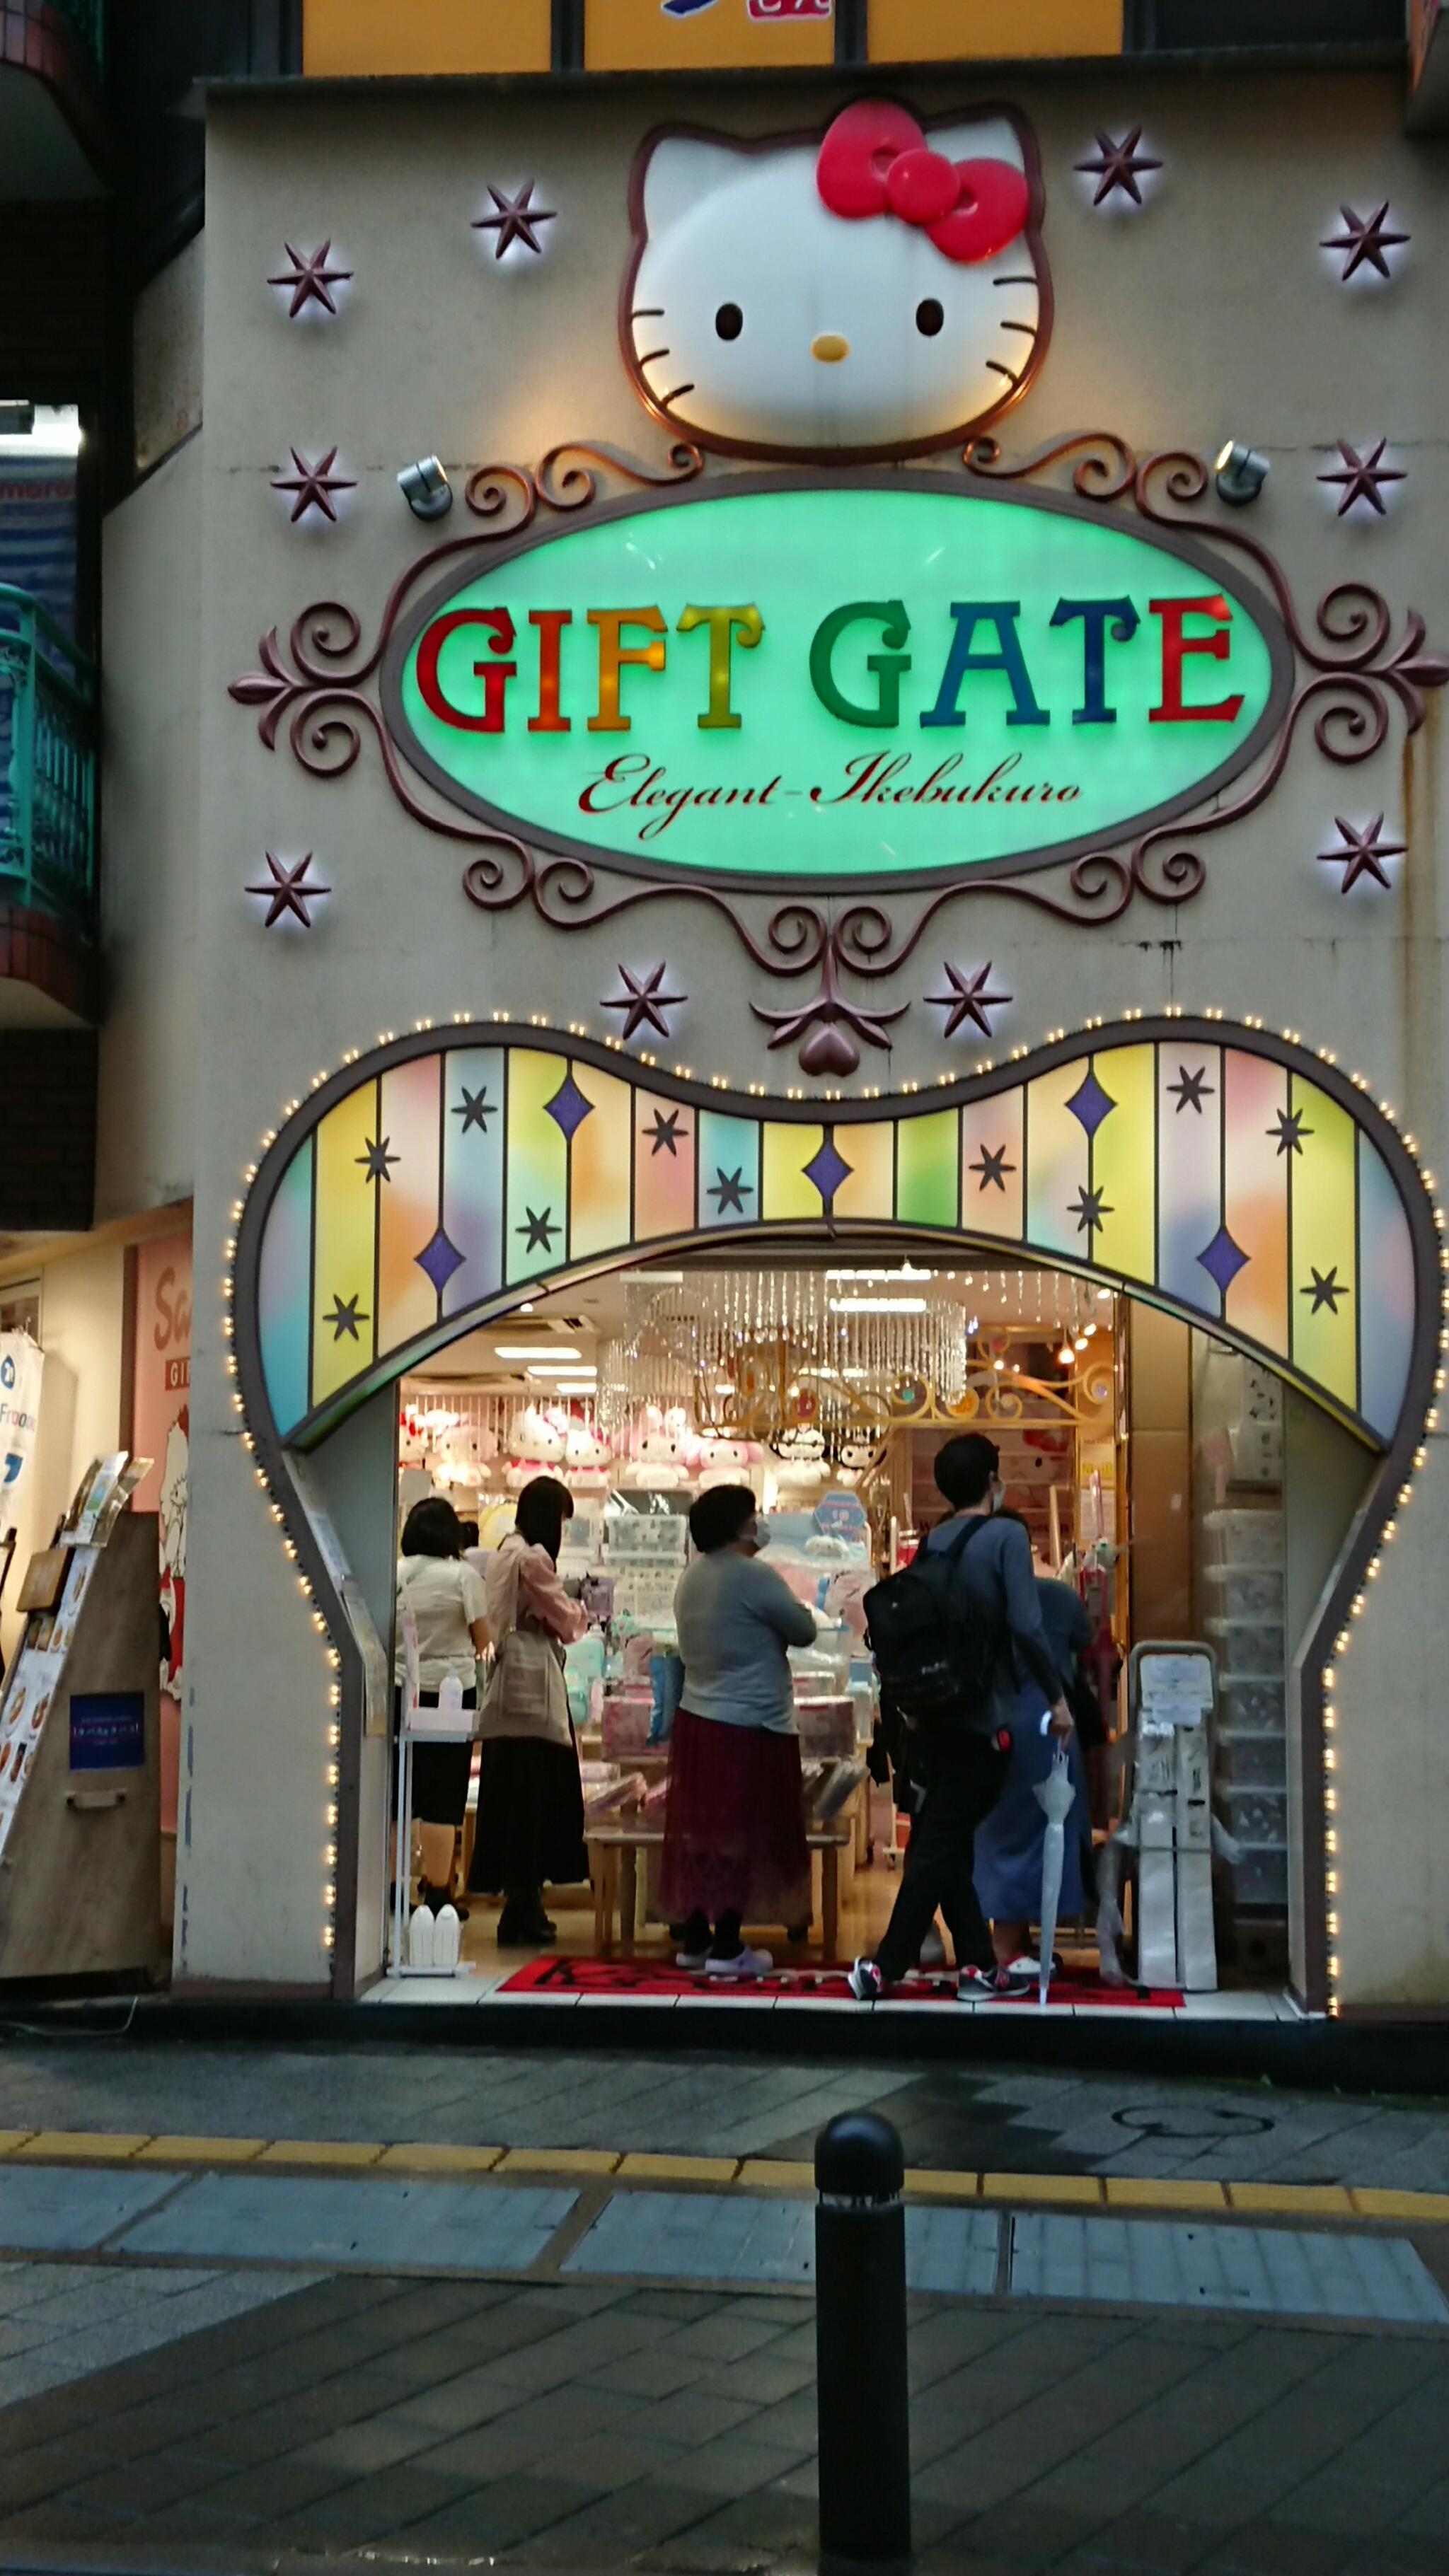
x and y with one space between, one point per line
979 138
679 171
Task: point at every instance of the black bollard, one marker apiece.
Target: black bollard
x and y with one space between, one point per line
860 2335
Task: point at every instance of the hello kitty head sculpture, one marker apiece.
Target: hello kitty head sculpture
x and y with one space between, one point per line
877 293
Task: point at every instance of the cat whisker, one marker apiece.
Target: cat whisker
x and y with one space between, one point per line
652 355
1014 281
665 400
647 313
1028 327
999 369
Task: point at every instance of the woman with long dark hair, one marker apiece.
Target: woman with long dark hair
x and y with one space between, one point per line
530 1801
449 1611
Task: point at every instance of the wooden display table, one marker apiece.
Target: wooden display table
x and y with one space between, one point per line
614 1855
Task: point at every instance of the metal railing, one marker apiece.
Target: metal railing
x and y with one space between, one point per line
48 732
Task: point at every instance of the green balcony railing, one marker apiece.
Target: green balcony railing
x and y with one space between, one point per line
86 22
48 730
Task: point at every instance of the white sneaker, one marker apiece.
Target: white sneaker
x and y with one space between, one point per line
693 1960
866 1982
746 1963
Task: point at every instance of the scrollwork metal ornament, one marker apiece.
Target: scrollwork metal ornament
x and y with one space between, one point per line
1350 665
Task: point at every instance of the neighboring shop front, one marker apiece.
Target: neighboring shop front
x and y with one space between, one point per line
855 867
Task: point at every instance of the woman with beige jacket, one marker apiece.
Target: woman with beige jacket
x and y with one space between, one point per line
530 1801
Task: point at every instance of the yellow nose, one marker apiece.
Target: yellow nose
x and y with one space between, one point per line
829 348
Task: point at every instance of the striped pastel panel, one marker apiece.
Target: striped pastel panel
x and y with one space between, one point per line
1386 1293
928 1169
344 1329
284 1293
1189 1166
1056 1160
1123 1158
785 1193
729 1169
600 1205
870 1150
666 1138
993 1165
473 1086
408 1200
1324 1245
1258 1160
538 1165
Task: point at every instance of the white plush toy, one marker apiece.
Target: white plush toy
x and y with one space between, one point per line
587 1455
880 292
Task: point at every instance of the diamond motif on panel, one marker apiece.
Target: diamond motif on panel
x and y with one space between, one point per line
1222 1260
439 1259
1091 1104
568 1108
827 1169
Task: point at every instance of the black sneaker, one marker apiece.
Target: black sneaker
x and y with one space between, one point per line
992 1985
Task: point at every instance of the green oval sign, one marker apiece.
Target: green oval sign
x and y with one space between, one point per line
883 677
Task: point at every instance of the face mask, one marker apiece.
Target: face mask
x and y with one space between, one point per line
756 1540
998 1497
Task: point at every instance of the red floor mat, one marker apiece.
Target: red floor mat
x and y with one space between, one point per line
621 1978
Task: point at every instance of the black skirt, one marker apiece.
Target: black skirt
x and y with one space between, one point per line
530 1817
440 1771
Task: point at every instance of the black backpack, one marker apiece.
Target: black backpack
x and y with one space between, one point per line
937 1666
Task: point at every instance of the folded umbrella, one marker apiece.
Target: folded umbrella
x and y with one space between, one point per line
1056 1796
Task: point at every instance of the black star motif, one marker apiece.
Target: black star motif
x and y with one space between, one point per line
970 998
311 280
344 1317
540 1231
1366 241
376 1160
730 1190
288 891
1117 166
314 485
1362 475
993 1167
642 1002
1362 853
516 218
1325 1290
664 1136
1290 1131
1089 1212
475 1109
1188 1090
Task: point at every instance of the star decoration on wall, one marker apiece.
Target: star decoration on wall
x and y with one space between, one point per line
540 1230
377 1161
969 999
1089 1212
1366 241
1118 165
313 485
1361 477
1325 1288
730 1190
475 1109
664 1135
345 1318
1363 853
1188 1090
516 218
288 891
642 1002
311 280
992 1167
1290 1131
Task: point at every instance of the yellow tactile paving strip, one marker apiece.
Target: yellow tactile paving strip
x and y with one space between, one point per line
750 2173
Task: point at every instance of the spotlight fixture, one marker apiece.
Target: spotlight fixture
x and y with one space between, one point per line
1240 472
426 489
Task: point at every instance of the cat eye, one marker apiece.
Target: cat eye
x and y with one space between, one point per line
930 317
729 322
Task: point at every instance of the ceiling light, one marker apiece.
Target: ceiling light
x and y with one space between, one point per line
878 1305
572 1386
1065 1355
904 1272
590 1373
535 1351
1104 1296
1240 472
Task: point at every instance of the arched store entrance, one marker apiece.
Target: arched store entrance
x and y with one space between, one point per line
1233 1179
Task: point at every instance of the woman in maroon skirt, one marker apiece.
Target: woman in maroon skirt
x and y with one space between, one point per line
734 1826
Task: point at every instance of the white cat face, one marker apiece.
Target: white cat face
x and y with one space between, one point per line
878 294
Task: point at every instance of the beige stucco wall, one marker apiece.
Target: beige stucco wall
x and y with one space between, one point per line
1213 314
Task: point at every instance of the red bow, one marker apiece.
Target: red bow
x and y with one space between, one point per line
875 160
